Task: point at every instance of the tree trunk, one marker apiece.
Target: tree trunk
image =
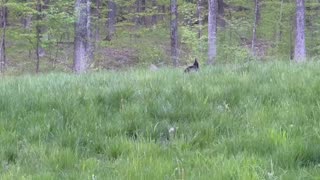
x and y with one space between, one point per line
291 40
254 31
45 4
38 33
279 27
212 31
199 14
4 13
138 10
174 32
163 12
90 42
141 7
220 17
26 21
258 14
3 58
111 19
154 16
82 50
98 14
300 47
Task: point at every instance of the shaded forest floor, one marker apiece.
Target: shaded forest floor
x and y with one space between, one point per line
128 49
133 48
253 121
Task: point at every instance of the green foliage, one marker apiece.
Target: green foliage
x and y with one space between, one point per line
146 44
188 13
253 121
194 46
233 54
20 9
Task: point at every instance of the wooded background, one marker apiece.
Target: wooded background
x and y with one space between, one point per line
65 35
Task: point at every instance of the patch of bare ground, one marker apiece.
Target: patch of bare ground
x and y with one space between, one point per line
113 58
261 46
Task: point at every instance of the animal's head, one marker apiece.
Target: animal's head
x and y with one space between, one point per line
194 67
196 64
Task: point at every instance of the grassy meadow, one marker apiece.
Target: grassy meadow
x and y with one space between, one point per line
253 121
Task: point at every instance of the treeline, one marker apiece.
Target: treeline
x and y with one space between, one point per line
65 31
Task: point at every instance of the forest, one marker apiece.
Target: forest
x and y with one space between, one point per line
94 89
64 35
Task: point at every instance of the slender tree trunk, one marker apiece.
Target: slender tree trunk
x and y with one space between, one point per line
26 22
292 33
300 47
199 14
111 19
38 35
3 60
98 13
143 9
138 11
174 32
82 43
254 31
4 13
258 12
163 12
55 59
45 4
279 29
220 17
90 41
212 31
154 16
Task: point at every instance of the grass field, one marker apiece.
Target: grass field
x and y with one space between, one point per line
254 121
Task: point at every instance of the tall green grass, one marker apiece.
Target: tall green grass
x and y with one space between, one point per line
254 121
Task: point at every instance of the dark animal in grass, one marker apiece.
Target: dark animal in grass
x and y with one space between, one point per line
194 67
